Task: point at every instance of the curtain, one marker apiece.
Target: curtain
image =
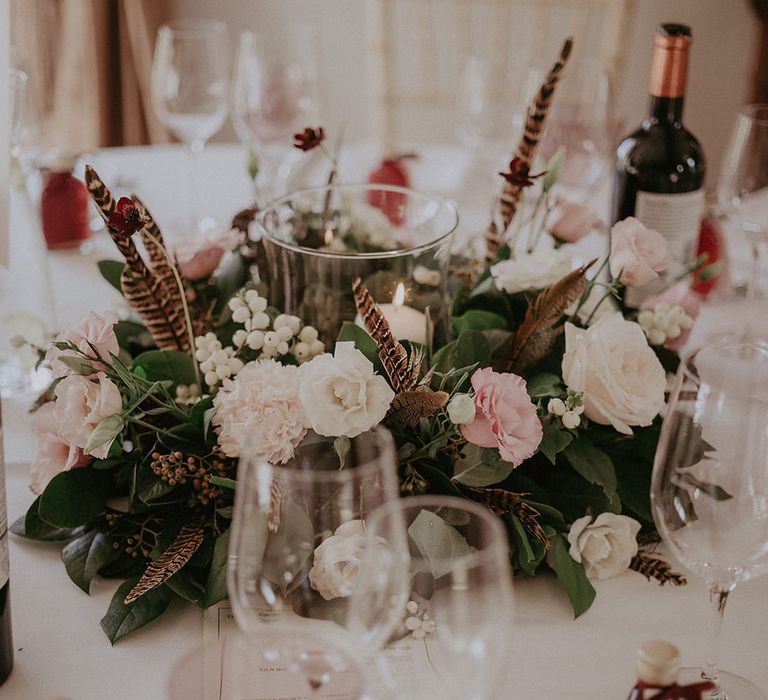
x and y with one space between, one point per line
88 63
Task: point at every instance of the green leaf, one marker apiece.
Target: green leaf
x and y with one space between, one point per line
184 585
437 542
130 332
161 365
150 487
363 342
74 497
106 431
592 464
552 169
84 556
33 528
469 348
545 384
122 619
634 485
572 577
224 482
77 364
111 270
548 513
480 467
216 588
554 440
438 481
525 555
477 320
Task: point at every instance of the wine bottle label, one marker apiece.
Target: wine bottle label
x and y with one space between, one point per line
4 573
678 218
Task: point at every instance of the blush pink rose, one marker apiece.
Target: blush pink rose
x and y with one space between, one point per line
573 221
505 416
53 454
96 329
681 295
638 253
82 403
199 257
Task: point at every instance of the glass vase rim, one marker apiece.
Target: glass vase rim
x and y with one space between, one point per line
446 202
686 360
361 471
750 111
193 26
455 503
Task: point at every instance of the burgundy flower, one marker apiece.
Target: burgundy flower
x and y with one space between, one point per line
309 138
518 174
126 218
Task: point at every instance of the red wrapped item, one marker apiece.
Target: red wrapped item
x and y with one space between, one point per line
64 207
391 171
712 243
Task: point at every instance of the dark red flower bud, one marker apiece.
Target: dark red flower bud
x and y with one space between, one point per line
309 138
126 218
518 174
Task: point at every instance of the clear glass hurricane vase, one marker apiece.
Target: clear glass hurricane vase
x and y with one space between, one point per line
297 546
709 490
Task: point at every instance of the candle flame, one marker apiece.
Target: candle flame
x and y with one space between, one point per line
399 297
328 237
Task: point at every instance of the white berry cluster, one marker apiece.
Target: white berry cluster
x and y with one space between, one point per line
568 411
664 322
188 395
272 338
216 362
419 625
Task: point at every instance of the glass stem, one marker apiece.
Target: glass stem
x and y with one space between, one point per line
718 596
193 180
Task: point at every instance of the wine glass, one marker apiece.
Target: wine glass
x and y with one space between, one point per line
273 98
742 188
190 77
296 552
709 490
459 594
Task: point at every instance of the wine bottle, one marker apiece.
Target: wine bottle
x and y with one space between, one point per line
6 640
660 166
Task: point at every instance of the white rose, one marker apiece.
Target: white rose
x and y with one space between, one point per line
606 546
336 565
82 403
341 393
461 409
532 270
618 374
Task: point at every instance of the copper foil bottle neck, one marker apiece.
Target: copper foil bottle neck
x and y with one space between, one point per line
669 68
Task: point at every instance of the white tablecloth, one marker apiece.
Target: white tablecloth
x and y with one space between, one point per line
61 652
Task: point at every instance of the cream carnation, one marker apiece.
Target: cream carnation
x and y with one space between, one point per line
605 547
619 376
531 271
342 394
261 405
94 329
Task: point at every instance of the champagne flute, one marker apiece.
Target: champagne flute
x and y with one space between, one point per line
273 98
742 188
709 490
459 593
190 75
297 545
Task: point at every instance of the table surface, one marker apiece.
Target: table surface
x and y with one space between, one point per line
61 651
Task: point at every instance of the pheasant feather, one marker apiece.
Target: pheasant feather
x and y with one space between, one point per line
503 502
651 567
526 149
409 407
171 561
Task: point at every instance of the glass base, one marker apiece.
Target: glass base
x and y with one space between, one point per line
732 687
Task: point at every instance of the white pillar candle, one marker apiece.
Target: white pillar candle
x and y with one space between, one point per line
405 322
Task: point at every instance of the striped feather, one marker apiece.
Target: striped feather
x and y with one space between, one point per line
503 502
403 371
409 407
171 561
650 567
526 149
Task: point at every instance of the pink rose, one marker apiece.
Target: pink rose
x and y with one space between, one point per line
96 329
53 454
505 416
638 253
198 257
83 402
573 222
681 295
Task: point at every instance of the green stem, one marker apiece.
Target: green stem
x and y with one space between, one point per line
183 294
149 426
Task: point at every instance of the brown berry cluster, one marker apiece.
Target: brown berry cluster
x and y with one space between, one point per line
137 538
176 469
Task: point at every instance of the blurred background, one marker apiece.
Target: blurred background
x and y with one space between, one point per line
402 72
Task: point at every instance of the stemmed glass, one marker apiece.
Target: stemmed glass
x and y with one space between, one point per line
296 551
709 491
742 189
190 78
272 99
459 589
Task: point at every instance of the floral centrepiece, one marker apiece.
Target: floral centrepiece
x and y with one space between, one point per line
542 402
